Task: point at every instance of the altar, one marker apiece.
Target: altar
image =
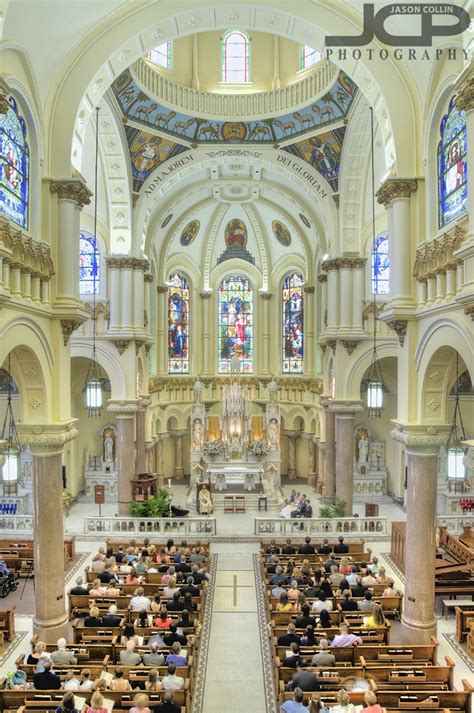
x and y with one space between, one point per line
224 475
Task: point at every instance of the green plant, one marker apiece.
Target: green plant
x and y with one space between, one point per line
137 509
159 506
335 509
326 512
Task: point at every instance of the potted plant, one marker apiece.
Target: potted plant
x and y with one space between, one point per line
213 448
159 506
259 448
335 509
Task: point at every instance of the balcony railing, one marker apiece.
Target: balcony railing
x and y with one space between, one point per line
165 526
347 526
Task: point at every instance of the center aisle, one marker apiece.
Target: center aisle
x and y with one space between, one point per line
233 679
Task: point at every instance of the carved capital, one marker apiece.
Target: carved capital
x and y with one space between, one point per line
323 347
72 190
331 264
322 278
125 262
121 345
308 289
124 408
465 98
420 440
47 440
162 289
4 92
205 295
335 197
469 310
346 408
350 263
266 295
68 326
332 344
139 343
349 345
148 277
394 188
400 327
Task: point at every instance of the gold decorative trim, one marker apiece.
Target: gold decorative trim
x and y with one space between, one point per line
72 190
162 289
121 345
4 92
332 345
68 327
346 262
125 262
309 289
400 327
394 188
322 277
205 295
148 277
349 345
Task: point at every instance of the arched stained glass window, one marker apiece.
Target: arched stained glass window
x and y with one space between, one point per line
178 324
309 56
235 57
380 267
89 265
293 331
452 166
14 166
236 324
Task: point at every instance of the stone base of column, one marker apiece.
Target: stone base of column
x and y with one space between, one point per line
124 508
416 632
291 475
312 477
161 480
178 473
52 630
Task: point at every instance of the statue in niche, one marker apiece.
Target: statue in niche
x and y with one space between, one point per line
109 445
363 449
273 432
273 391
197 433
197 391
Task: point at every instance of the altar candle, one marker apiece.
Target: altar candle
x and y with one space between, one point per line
169 482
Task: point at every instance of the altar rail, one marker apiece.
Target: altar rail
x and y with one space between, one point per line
346 526
151 525
456 523
16 523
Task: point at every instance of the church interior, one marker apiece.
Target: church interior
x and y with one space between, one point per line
236 311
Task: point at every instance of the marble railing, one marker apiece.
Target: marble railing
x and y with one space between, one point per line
456 523
16 523
239 106
150 525
376 526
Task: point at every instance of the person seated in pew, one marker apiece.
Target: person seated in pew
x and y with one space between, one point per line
119 682
172 682
183 565
303 678
308 638
200 575
176 604
312 591
371 705
153 656
295 705
344 704
291 661
107 575
176 656
329 564
142 619
341 548
272 549
120 554
153 683
366 604
163 620
197 556
140 704
306 548
96 704
293 591
288 548
335 578
190 587
325 621
47 680
133 578
278 577
98 563
170 588
373 565
324 657
130 657
112 618
289 637
112 590
345 638
67 704
348 604
277 591
139 601
173 637
284 604
343 585
156 639
167 706
70 683
97 589
321 603
79 589
129 633
381 577
185 621
188 602
94 618
325 548
305 619
100 684
155 605
62 655
359 590
141 567
376 619
353 577
345 566
38 656
86 683
390 590
368 580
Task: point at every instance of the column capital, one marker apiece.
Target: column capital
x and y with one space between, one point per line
420 439
291 433
266 295
179 432
322 277
71 189
325 402
308 289
205 295
464 86
148 277
394 188
346 408
47 439
144 402
126 262
124 408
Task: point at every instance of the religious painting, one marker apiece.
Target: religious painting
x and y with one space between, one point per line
235 324
178 324
234 131
304 220
236 233
189 233
323 153
452 165
89 265
381 267
14 166
281 233
293 330
147 152
167 220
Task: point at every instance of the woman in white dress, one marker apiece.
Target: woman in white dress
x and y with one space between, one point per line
289 505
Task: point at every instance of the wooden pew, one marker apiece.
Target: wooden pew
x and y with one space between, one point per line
49 700
399 654
464 621
410 676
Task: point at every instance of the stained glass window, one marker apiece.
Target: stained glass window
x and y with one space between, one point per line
452 166
380 267
89 265
309 56
178 324
293 332
235 58
236 324
161 55
14 166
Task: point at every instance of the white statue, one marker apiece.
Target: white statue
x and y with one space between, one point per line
363 449
235 365
108 449
273 432
197 391
273 391
197 433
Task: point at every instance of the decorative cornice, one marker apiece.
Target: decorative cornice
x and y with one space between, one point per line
72 190
308 289
394 188
162 289
121 344
125 262
68 327
332 344
346 407
349 345
369 309
296 383
465 97
400 327
438 254
423 440
347 262
469 310
48 439
323 346
124 407
25 252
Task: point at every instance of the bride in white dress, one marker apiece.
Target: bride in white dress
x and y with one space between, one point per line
289 505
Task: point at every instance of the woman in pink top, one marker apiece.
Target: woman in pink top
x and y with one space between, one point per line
96 704
163 621
371 705
141 704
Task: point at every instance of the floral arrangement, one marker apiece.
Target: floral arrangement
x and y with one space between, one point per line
213 448
259 448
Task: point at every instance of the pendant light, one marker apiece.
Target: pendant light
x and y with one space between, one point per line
94 383
10 446
454 450
375 385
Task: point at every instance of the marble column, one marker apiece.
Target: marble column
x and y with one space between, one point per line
159 459
47 444
309 330
358 265
292 436
124 450
266 329
346 287
311 458
332 296
178 436
205 355
422 450
141 436
330 457
345 451
162 334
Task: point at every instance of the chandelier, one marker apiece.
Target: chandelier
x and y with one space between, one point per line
10 446
94 385
455 451
375 385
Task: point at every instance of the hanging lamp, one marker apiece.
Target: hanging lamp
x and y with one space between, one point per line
455 452
375 385
10 446
94 383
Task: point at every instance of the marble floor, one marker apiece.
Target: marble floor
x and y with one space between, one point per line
233 674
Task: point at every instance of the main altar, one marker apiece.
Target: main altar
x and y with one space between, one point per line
235 456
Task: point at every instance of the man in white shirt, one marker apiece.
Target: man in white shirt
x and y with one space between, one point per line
172 682
353 577
139 602
71 683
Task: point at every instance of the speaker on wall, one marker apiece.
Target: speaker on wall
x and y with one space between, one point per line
63 470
